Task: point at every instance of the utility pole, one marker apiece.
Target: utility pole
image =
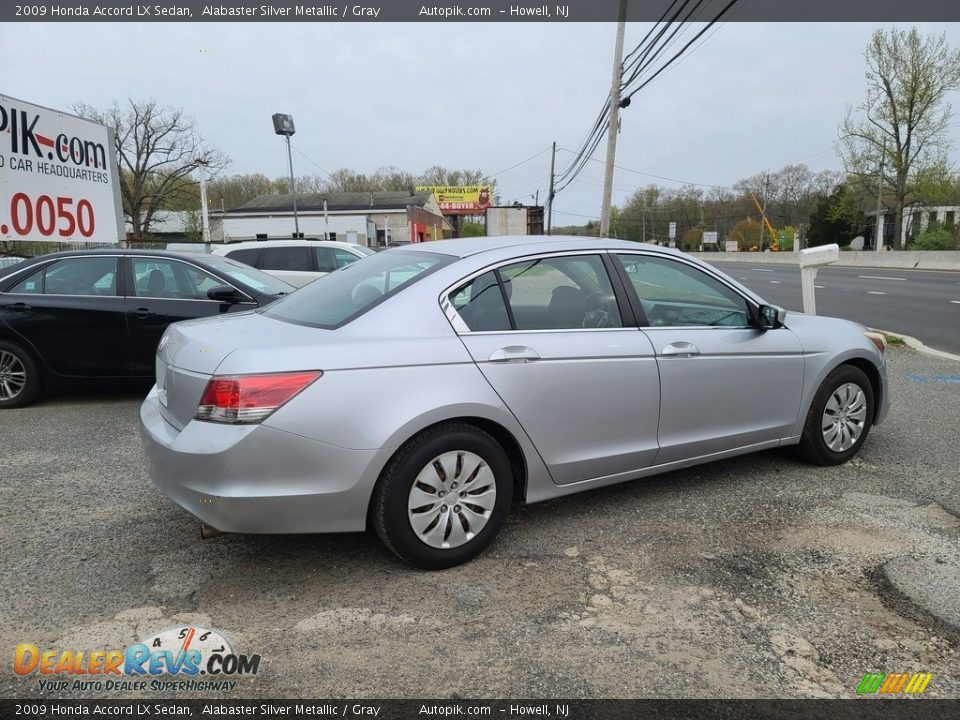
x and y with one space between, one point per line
878 241
204 215
614 121
550 193
643 219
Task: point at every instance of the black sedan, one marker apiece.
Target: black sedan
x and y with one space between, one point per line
99 314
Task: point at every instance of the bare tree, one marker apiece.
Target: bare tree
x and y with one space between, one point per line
158 150
902 123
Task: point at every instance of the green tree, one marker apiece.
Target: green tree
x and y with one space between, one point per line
472 229
935 237
747 234
902 123
836 219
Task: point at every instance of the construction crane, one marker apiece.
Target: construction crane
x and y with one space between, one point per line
774 236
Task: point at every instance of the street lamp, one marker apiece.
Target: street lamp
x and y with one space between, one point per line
283 125
204 216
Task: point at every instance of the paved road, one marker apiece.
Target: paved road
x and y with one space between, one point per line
923 304
752 577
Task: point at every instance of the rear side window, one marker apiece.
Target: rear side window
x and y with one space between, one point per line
286 258
480 304
338 298
30 285
248 256
73 276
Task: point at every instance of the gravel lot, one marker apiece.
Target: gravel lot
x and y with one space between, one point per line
753 577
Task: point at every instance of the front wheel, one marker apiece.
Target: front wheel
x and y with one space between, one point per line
840 417
443 497
19 379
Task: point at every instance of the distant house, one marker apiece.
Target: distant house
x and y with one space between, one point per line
171 226
916 219
375 219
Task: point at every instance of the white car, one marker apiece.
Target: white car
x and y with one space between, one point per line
294 261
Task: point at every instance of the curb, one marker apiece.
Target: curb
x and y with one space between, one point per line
915 344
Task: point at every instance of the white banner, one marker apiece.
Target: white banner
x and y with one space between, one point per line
710 238
672 231
58 177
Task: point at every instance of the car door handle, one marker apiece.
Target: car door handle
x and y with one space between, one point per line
142 313
20 307
514 354
680 349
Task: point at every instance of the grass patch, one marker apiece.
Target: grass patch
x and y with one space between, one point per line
894 340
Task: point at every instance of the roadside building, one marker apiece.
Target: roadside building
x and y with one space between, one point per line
917 217
376 220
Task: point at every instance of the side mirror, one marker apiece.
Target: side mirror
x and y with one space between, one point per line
225 294
771 317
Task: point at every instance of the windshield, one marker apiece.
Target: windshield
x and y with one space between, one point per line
251 277
336 299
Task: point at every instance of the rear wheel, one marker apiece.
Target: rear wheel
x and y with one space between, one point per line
19 379
840 417
443 497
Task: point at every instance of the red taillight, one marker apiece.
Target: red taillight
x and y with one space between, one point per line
244 399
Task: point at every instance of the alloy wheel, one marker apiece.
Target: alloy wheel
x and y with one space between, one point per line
13 375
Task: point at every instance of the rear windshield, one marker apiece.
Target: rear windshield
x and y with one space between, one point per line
336 299
251 277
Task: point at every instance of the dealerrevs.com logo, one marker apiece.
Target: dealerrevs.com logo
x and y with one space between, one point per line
176 659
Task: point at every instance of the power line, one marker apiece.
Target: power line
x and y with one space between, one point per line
310 159
683 49
522 162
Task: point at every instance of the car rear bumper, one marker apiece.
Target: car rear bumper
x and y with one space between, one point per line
258 479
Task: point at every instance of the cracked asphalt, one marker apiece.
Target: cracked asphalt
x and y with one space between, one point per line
759 576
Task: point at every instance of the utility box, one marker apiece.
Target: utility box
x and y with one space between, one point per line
514 220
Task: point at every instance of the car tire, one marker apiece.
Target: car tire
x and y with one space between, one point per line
443 497
840 417
19 377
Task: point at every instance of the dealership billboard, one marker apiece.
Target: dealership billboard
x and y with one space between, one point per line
459 199
58 176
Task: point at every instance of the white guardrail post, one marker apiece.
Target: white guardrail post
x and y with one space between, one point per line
811 260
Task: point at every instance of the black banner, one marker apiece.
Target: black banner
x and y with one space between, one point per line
339 709
475 11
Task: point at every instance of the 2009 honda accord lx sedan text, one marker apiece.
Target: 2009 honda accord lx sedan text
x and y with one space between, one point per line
424 389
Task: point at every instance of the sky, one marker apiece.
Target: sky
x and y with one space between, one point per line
752 97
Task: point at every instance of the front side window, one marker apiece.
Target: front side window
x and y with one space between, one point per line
326 259
345 257
161 278
30 285
675 294
77 276
338 298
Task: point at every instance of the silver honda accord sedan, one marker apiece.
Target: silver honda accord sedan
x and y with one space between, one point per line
422 390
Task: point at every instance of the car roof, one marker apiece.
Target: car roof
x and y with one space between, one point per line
246 244
118 251
465 247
